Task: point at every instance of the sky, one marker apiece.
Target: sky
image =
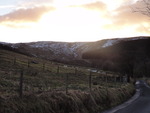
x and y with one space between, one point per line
70 20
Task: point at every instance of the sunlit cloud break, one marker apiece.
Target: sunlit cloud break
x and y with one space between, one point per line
72 20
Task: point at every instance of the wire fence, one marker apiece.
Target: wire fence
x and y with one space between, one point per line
24 75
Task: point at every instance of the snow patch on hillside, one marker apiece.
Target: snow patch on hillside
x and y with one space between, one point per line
109 43
39 45
137 38
63 48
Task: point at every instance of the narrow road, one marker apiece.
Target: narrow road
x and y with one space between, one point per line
139 105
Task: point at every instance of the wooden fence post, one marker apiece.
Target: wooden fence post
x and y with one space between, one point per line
90 80
14 61
115 80
28 63
120 79
75 71
43 66
21 84
106 78
58 70
106 84
67 83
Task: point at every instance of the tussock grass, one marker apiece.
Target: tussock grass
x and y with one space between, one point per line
73 102
44 87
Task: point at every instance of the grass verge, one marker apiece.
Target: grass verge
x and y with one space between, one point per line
73 102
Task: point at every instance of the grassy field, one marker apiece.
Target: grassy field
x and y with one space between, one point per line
42 75
47 82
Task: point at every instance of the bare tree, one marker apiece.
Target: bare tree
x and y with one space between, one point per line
143 7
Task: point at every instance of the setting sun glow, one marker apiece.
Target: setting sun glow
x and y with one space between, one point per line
72 24
73 20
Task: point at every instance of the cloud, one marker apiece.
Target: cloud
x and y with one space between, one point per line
127 17
143 29
99 16
96 6
123 17
119 17
25 15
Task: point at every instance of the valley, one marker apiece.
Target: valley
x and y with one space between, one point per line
60 77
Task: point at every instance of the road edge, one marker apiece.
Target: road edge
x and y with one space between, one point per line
125 104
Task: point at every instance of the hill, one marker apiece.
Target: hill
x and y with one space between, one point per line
129 56
124 55
34 85
63 51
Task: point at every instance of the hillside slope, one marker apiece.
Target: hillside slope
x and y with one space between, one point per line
72 52
44 88
128 56
54 51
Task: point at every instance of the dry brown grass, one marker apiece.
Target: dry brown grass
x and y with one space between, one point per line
73 102
43 90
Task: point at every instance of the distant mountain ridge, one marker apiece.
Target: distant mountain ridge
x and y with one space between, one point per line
64 51
55 51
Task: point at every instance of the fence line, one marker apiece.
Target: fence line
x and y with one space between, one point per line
32 79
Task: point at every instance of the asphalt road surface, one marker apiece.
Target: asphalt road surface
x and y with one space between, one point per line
139 105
